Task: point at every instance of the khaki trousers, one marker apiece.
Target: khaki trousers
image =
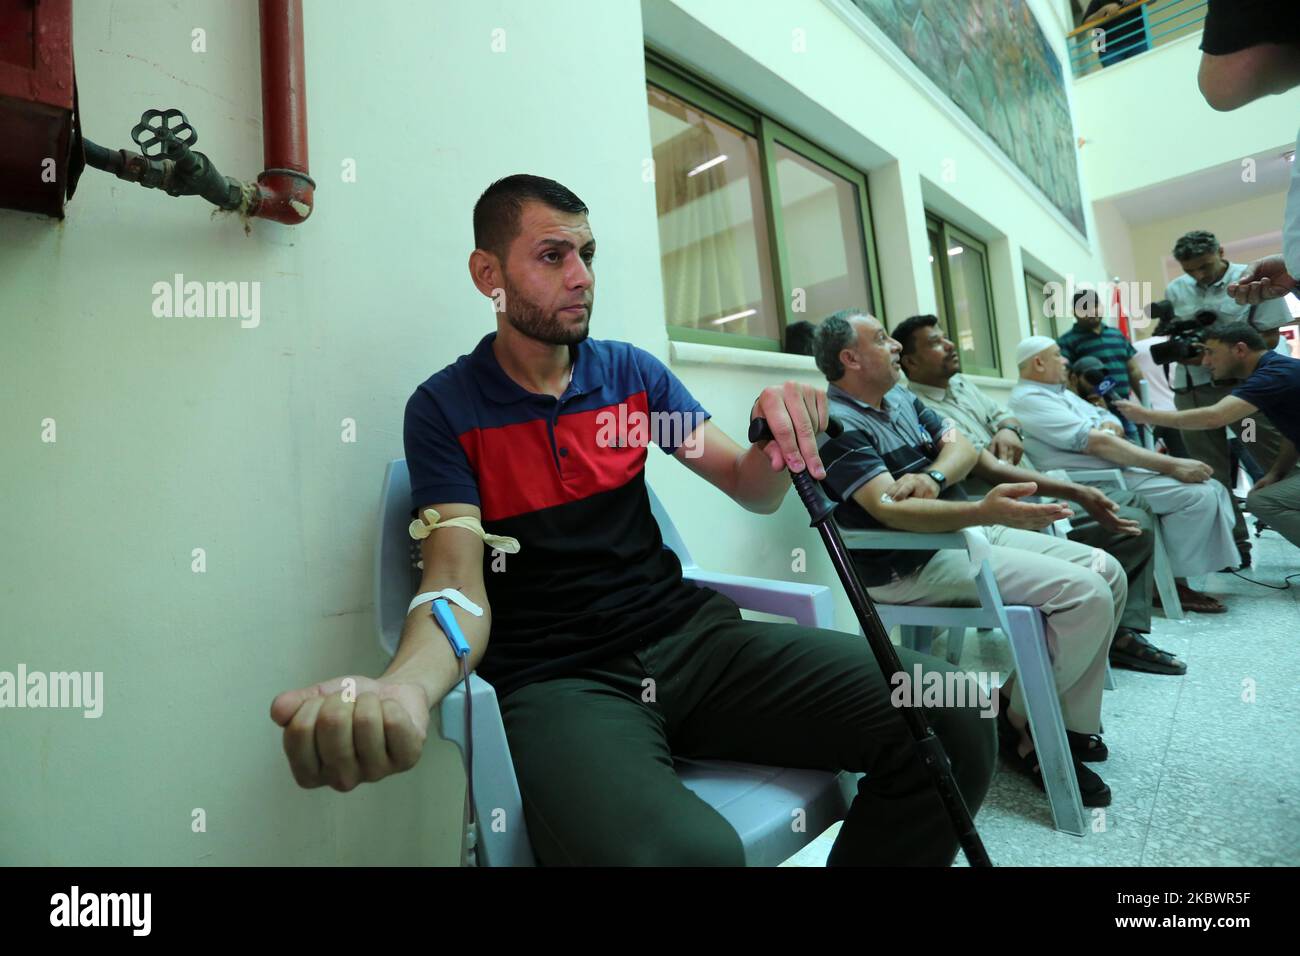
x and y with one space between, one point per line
1080 590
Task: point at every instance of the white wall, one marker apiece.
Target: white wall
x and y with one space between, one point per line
176 434
1144 121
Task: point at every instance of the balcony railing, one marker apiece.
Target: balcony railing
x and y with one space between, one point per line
1133 30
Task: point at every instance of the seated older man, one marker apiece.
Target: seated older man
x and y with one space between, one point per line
1064 431
896 465
1120 524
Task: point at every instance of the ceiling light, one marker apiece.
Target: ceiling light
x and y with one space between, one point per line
738 315
710 164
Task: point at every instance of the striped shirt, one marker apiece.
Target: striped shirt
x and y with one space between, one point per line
1109 347
902 437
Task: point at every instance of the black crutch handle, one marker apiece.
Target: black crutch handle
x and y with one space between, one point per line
759 430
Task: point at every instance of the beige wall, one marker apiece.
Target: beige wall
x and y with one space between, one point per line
1153 242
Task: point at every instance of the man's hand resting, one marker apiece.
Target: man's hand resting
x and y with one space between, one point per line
1104 510
1002 505
1191 472
1006 446
914 485
330 742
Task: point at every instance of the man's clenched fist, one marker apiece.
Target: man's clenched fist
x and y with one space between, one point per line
352 730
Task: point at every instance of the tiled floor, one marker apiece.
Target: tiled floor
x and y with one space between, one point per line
1201 776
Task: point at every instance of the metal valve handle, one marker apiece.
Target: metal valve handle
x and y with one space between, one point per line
167 132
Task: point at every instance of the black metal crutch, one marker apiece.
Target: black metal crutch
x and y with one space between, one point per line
929 749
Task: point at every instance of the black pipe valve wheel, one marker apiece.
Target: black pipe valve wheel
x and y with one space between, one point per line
167 132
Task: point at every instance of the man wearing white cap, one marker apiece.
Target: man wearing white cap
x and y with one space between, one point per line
1064 431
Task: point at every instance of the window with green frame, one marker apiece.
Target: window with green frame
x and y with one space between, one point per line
758 228
1041 319
959 264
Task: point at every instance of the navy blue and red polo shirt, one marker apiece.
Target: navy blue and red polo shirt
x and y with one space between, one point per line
592 577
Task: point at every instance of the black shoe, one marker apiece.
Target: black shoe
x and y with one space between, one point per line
1093 791
1089 748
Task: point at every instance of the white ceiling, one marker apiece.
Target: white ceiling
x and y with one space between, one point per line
1215 186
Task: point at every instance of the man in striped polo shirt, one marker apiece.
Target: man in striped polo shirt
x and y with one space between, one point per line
1090 336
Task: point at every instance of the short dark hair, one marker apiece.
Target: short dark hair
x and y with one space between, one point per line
906 330
1083 294
1194 244
799 337
835 334
497 212
1232 331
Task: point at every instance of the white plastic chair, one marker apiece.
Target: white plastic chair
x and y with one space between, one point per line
1163 572
1029 651
762 803
922 638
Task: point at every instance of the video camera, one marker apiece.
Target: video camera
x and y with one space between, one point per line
1186 336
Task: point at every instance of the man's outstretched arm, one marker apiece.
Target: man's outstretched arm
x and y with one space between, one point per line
1117 451
352 729
1224 412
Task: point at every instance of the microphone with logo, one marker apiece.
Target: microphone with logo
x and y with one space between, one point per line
1092 373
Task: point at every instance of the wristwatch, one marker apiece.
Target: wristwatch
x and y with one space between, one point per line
939 477
1020 432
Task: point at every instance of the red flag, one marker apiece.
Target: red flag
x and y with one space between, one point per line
1122 319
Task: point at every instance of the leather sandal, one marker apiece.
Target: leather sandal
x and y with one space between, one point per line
1197 601
1139 654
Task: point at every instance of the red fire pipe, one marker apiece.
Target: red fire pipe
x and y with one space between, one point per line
284 189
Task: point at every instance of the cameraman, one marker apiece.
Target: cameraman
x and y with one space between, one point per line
1235 350
1204 289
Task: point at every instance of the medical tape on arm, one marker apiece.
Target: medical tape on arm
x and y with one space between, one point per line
430 521
421 528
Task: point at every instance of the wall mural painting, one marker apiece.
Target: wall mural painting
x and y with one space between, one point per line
991 58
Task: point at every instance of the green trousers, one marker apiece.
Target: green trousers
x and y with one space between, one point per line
593 750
